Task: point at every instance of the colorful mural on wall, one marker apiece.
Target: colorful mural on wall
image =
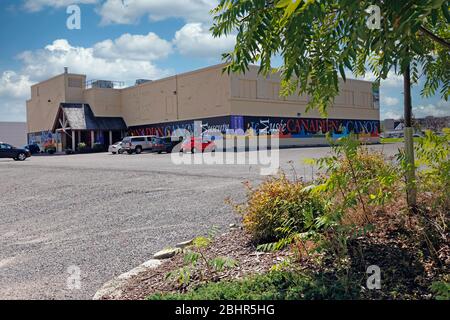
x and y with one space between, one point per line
216 124
310 128
45 139
301 128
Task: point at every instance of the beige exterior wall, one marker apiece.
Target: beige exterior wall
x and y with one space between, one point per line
104 102
204 93
194 95
74 86
256 95
150 102
46 97
198 94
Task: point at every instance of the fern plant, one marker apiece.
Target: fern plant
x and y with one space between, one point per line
196 260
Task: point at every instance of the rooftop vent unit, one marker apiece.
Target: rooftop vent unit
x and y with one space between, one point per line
103 84
141 81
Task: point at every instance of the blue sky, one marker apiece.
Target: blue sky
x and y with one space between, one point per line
126 40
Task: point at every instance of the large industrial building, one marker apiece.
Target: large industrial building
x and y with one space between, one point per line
14 133
66 110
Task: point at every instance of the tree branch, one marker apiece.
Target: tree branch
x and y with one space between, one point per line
435 37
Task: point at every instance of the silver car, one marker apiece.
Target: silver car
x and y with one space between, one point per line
116 148
137 144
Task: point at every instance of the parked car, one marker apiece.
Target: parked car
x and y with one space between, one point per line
137 144
33 148
116 148
194 143
8 151
164 144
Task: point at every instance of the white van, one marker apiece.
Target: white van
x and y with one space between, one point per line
137 144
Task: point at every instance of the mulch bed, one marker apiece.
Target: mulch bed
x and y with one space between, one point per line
397 246
235 244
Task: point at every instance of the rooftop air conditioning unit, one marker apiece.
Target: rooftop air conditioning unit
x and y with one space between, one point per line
104 84
141 81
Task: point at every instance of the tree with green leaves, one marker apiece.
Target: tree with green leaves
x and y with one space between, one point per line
320 39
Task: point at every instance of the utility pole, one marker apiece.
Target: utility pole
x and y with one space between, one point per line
411 190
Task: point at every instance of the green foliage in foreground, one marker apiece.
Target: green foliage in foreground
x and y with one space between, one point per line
276 285
441 289
395 140
319 40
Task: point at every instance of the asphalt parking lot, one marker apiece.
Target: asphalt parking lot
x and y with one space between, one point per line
106 214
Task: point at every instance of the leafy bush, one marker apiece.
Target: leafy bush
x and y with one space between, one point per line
279 208
355 180
433 152
441 289
276 285
433 155
82 146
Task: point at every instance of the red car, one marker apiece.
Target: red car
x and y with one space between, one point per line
195 143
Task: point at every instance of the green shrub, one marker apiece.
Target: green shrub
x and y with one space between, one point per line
433 152
82 146
278 208
276 285
441 289
356 181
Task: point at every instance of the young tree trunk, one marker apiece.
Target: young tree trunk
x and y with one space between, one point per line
411 190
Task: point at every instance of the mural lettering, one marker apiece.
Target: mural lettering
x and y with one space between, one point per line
282 127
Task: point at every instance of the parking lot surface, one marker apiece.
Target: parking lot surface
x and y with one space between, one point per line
103 214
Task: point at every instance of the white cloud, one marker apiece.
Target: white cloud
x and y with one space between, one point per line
389 101
129 59
134 47
38 5
54 57
195 39
13 85
393 80
391 115
440 109
131 11
14 91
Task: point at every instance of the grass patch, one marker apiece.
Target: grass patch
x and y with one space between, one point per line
395 140
275 285
391 140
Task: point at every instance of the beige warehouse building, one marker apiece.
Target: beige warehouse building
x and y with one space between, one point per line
66 110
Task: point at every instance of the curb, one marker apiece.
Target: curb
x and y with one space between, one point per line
113 288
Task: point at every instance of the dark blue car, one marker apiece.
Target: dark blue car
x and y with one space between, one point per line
163 144
8 151
33 148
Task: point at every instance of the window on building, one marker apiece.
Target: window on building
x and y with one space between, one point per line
75 83
366 100
247 89
274 91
